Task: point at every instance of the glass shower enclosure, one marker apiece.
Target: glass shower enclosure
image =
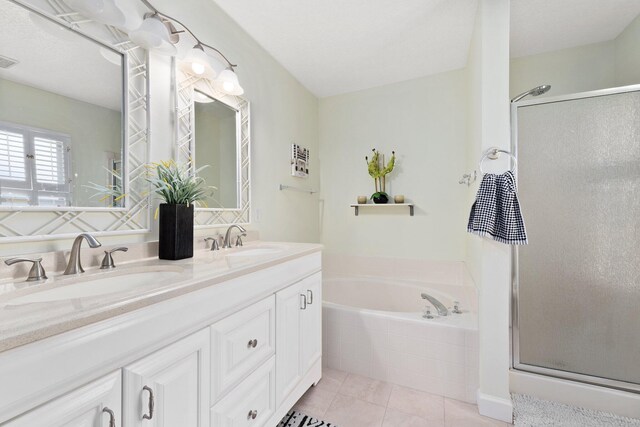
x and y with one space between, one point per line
576 286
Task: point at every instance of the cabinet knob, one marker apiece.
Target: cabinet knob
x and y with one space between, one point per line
252 343
151 404
310 296
112 416
303 303
252 414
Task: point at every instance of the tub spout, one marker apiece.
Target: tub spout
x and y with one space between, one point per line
442 310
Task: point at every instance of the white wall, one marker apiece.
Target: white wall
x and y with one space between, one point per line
584 68
282 112
628 54
570 70
489 262
424 121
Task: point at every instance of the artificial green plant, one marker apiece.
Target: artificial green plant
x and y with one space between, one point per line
379 171
177 184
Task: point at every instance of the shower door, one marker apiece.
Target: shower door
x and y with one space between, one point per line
576 288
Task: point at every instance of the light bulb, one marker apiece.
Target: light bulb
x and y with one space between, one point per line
153 35
228 82
197 67
199 60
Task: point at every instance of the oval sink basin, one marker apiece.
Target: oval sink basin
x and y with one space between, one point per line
249 252
100 284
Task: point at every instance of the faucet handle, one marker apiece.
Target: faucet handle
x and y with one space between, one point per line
427 312
456 307
215 243
37 271
239 239
107 261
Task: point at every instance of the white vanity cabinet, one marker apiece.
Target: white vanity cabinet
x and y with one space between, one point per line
97 404
299 334
169 387
238 352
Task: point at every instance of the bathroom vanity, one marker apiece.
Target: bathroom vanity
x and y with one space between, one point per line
227 338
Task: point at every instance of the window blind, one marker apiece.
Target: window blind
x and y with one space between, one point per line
12 156
50 160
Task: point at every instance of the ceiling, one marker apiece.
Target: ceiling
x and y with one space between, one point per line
335 46
57 60
539 26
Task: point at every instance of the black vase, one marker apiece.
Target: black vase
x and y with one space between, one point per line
380 198
176 232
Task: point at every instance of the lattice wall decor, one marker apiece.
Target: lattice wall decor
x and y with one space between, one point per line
186 84
39 223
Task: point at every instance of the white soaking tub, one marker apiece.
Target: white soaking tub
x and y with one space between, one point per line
374 327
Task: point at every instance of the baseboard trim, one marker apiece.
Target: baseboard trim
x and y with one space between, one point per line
495 407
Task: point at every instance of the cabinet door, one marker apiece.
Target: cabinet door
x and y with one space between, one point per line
311 329
289 303
87 406
170 387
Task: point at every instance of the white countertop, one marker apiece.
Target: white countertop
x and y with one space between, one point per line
25 317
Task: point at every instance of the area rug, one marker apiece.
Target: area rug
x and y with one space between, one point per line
298 419
532 412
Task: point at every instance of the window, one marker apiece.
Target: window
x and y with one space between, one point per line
34 167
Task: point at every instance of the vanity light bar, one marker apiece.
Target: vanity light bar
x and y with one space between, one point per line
198 41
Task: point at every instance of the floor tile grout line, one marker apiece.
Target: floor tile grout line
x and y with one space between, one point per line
324 414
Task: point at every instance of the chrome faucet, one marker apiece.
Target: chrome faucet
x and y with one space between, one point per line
227 236
442 310
75 266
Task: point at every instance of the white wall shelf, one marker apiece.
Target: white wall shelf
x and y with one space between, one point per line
378 206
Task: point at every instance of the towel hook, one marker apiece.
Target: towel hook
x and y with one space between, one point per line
494 154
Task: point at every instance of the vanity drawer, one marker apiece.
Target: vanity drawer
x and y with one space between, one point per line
251 404
239 344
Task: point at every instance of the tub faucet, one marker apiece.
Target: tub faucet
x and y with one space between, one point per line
442 310
75 266
227 236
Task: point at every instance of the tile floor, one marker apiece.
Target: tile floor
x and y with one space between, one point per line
350 400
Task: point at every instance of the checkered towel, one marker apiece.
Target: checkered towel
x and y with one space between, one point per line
496 212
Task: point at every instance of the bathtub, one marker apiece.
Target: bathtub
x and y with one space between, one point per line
374 327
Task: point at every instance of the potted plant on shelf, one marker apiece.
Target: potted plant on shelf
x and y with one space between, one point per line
379 173
179 188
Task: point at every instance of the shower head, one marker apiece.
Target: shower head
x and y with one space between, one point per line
533 92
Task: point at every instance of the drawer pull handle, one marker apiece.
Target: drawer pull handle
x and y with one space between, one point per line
252 343
252 415
112 416
152 403
310 296
303 304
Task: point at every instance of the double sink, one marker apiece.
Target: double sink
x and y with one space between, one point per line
137 278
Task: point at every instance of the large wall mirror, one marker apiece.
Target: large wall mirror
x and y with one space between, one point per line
213 135
216 136
73 124
61 114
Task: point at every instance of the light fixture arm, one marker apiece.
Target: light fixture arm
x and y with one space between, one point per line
198 41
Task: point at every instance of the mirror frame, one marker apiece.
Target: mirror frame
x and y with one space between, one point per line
48 223
185 85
